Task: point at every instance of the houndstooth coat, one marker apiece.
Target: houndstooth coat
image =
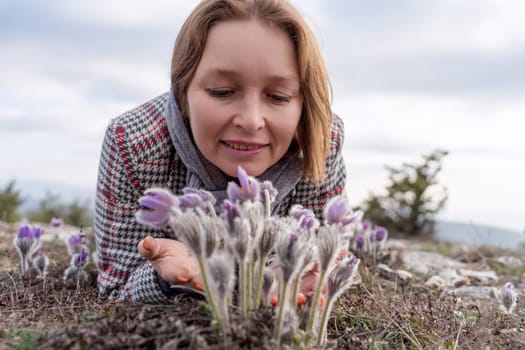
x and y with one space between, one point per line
137 154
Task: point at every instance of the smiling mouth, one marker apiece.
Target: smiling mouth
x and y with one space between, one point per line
243 147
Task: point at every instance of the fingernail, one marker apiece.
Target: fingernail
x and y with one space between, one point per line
301 299
198 286
274 301
181 279
145 245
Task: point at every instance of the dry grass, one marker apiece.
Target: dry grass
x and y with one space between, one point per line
377 314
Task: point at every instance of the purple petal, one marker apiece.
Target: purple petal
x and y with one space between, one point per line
25 232
380 234
337 210
359 240
152 218
74 240
243 177
37 231
56 222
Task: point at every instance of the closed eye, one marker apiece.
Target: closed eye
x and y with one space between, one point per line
279 98
220 93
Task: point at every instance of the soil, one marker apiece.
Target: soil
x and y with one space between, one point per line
50 313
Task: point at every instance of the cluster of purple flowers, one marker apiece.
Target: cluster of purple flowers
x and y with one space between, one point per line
272 253
79 252
368 241
27 244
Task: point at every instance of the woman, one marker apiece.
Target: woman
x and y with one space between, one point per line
248 88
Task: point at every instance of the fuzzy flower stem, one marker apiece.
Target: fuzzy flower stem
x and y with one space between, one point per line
296 284
258 289
243 291
324 321
282 301
268 205
315 304
209 293
250 273
24 264
260 270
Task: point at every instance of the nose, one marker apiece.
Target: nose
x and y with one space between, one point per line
250 114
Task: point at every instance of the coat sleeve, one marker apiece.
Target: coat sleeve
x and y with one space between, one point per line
314 196
122 273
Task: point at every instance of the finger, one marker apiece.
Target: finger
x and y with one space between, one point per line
198 282
301 299
148 248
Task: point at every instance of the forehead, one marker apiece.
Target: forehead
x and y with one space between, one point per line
240 46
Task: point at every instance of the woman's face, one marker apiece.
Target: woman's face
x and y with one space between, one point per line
244 100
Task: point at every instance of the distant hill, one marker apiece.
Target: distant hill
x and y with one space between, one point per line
473 234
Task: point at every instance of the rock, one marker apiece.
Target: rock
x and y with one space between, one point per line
435 282
447 278
427 263
480 277
387 272
473 292
395 244
508 261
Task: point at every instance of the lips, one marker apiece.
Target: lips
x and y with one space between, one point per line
244 146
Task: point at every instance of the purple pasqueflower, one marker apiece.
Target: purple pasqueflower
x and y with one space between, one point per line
157 204
24 231
231 211
25 241
56 222
359 240
327 247
380 234
338 211
195 198
41 264
37 231
366 225
81 259
306 217
290 252
267 187
249 188
342 276
75 243
508 297
189 201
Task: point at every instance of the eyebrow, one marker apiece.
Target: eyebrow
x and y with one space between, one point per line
277 78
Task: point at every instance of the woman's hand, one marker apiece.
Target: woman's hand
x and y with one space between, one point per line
307 286
173 261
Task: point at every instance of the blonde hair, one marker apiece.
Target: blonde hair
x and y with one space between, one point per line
312 137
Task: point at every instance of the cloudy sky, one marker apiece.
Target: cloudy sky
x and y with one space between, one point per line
409 76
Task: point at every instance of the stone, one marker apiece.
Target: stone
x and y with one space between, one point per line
435 282
508 261
385 271
428 263
487 277
473 292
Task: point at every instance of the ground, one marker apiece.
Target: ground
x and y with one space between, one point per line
375 314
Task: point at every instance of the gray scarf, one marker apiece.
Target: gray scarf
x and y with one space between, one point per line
201 173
